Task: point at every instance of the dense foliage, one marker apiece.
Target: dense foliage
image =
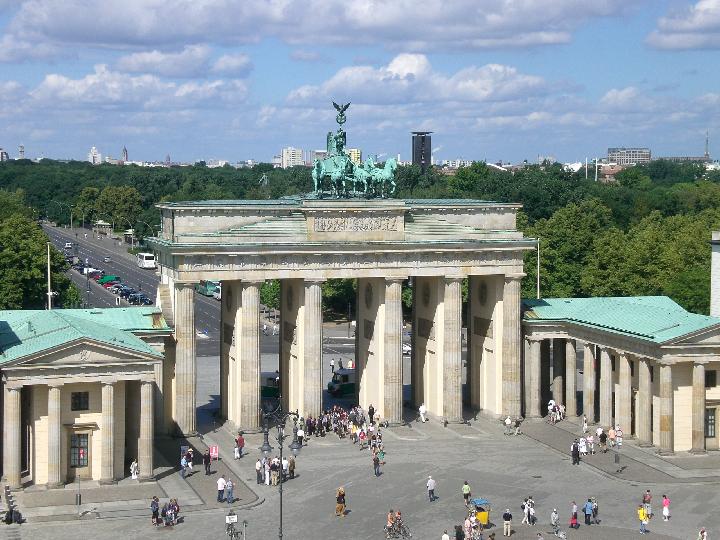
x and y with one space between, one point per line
645 234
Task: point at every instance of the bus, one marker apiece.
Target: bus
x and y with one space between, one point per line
145 260
207 288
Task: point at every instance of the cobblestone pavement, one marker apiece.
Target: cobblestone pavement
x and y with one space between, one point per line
502 469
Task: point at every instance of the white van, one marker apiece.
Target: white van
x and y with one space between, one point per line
68 245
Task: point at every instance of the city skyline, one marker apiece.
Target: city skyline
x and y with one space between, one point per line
237 81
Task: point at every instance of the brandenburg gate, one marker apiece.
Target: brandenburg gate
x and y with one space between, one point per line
353 230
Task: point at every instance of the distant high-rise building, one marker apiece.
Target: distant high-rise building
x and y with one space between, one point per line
94 156
628 156
167 160
291 157
124 154
421 149
355 155
276 161
4 155
316 154
21 151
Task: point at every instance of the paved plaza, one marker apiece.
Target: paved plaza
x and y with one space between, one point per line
501 468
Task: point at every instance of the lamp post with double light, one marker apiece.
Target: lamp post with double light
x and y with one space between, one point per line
280 418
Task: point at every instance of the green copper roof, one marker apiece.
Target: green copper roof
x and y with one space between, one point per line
131 319
27 332
652 318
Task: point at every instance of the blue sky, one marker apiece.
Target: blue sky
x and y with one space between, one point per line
494 79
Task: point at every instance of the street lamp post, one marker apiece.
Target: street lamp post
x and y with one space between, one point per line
280 417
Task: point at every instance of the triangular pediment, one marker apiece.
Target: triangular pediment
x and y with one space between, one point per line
709 336
86 352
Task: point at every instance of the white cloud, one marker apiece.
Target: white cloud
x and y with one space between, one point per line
14 49
398 24
238 65
302 55
696 27
192 61
411 78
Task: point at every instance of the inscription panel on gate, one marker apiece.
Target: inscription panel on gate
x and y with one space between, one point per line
351 223
426 329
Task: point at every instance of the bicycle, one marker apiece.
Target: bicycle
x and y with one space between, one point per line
398 530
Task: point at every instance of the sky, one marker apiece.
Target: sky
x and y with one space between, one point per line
495 80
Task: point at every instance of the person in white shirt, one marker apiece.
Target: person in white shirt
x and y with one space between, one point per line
431 485
445 536
423 411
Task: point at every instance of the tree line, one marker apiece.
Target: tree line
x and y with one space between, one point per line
646 233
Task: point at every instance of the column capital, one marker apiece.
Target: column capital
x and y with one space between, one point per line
314 281
534 339
185 284
252 283
395 279
514 277
700 362
54 384
452 279
108 383
14 388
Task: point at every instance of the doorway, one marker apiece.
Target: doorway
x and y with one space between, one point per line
80 460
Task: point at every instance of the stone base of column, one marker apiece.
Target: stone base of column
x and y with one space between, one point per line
662 452
142 478
698 452
107 481
645 444
55 485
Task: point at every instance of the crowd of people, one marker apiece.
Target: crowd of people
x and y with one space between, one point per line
589 443
167 514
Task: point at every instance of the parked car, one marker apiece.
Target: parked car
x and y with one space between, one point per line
68 245
406 349
109 284
217 295
126 292
139 299
115 289
107 278
106 259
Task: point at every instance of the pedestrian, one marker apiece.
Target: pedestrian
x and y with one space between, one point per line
340 363
555 521
588 510
507 522
229 491
647 502
155 509
221 488
595 511
575 452
259 470
291 467
642 517
611 437
540 536
459 533
431 485
574 516
332 365
134 469
618 437
189 458
525 509
603 440
340 502
117 300
371 414
466 492
591 444
702 535
376 464
423 412
666 508
584 424
301 435
445 536
207 460
183 466
285 466
239 445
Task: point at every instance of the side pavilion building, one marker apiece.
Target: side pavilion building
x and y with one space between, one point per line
433 244
649 366
83 393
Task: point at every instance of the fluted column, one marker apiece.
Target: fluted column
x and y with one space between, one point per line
606 384
644 418
313 388
54 457
698 408
511 346
159 421
107 434
393 351
589 383
11 437
145 445
666 410
185 358
623 400
534 345
249 355
570 378
558 352
452 350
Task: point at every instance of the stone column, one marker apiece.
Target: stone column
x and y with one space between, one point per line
107 434
249 356
185 360
698 408
558 352
666 410
11 437
145 445
393 352
452 370
606 388
55 476
623 400
313 388
644 418
589 382
534 345
159 421
570 378
511 346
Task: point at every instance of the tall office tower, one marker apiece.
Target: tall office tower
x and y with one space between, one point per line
422 149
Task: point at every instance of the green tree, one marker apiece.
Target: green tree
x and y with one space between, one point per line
85 204
121 203
270 294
